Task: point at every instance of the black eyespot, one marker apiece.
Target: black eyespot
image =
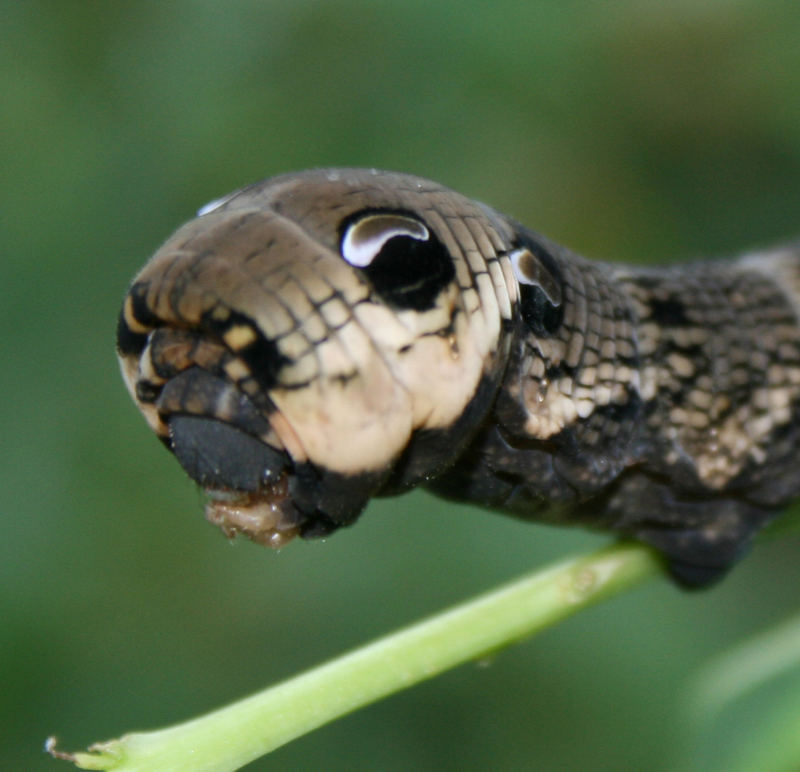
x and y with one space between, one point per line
401 257
539 286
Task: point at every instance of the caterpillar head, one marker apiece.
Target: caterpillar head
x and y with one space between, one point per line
310 341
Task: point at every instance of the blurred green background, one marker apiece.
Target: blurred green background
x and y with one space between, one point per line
628 130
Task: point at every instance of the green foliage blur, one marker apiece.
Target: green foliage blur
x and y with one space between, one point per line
627 129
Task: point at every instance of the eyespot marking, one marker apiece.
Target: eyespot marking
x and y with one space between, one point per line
365 238
399 255
529 270
539 290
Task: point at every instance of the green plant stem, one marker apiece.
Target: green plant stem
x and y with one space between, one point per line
234 735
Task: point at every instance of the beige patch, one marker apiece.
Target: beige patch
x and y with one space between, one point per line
605 371
302 370
220 313
681 365
239 336
294 346
288 437
133 323
237 370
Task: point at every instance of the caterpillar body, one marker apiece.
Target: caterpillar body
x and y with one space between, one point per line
317 339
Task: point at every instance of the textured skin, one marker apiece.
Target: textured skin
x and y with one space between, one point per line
468 354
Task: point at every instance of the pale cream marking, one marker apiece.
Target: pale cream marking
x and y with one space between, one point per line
602 395
511 285
780 399
440 383
442 230
288 438
650 331
742 435
133 323
700 399
500 288
467 243
487 338
497 240
537 368
470 300
678 416
647 345
479 235
608 329
315 328
267 309
294 345
551 349
682 365
608 349
304 368
313 278
649 382
147 367
605 371
463 275
569 412
153 419
239 336
237 370
372 410
335 312
625 374
333 358
588 376
590 358
575 349
434 320
781 415
592 340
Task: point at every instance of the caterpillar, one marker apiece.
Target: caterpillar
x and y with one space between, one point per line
317 339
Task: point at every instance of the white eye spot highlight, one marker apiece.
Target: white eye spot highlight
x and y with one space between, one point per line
529 270
364 239
215 204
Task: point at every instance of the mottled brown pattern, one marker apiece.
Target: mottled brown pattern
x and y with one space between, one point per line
661 403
